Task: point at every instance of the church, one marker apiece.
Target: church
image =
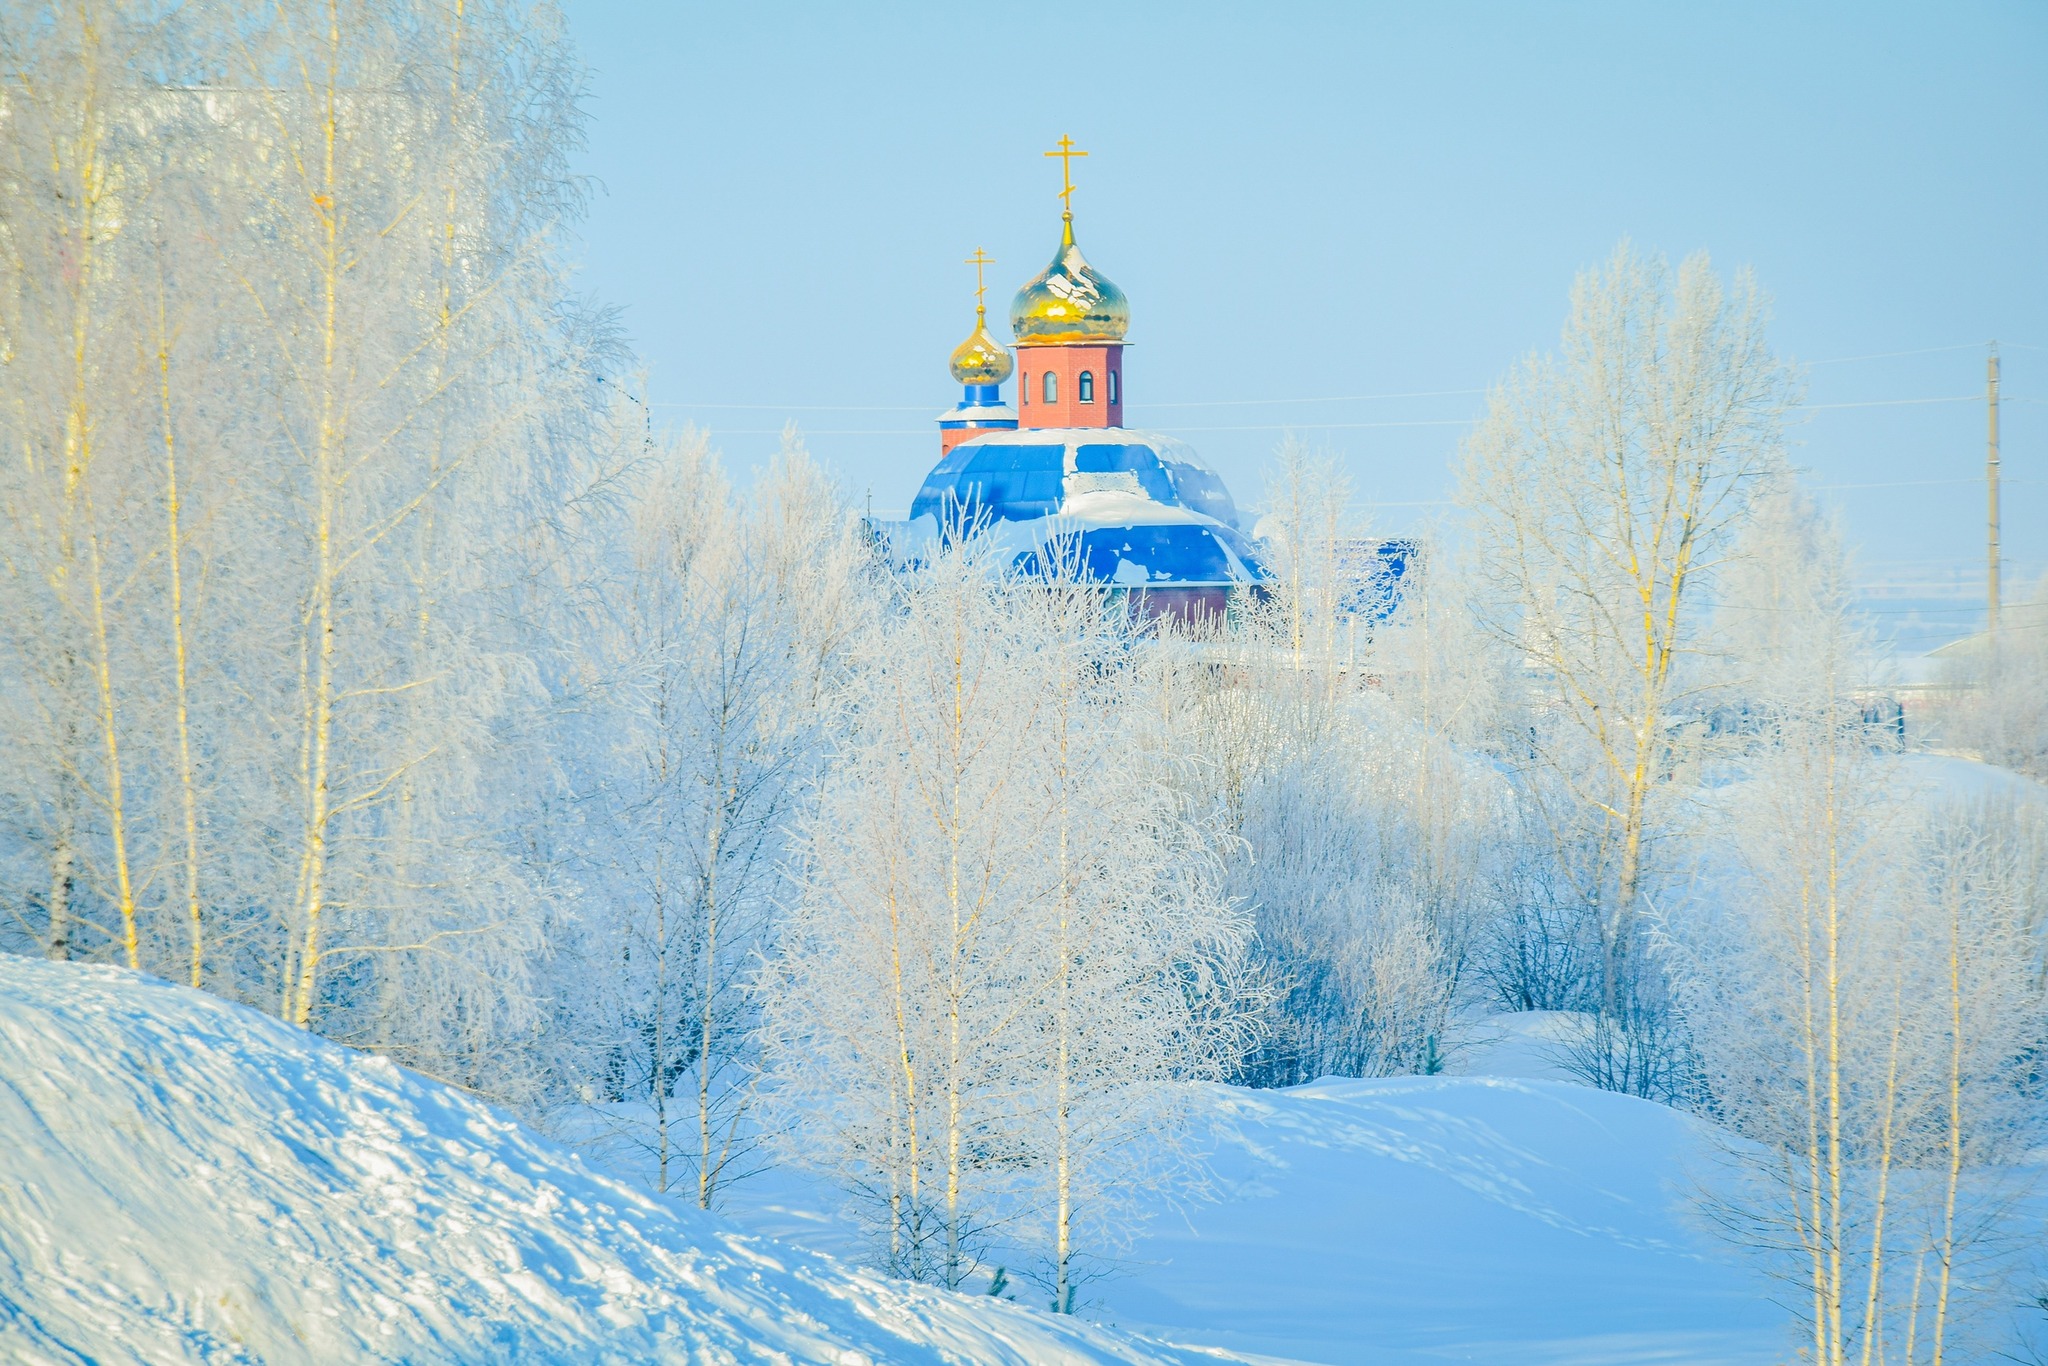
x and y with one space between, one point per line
1138 511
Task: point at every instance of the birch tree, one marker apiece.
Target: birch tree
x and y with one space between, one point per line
719 639
302 256
1864 1006
384 184
1143 955
1601 489
899 1007
1981 904
1007 946
74 175
1800 1004
1859 978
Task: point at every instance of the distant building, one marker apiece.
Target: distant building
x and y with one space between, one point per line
1136 511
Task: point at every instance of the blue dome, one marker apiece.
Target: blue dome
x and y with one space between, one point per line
1140 555
1015 476
1145 509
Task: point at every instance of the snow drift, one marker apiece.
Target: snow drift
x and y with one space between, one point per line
186 1180
1506 1218
1471 1219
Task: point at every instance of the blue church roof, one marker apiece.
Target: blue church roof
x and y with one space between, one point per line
1145 509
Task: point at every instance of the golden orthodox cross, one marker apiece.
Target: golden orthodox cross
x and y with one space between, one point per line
978 260
1066 154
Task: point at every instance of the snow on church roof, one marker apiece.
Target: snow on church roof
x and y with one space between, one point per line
1019 475
1145 508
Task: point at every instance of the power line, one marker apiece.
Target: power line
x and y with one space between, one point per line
1257 402
777 431
1328 426
1888 355
1273 427
1914 483
1309 426
803 407
1168 403
1342 398
1896 402
2007 629
1337 398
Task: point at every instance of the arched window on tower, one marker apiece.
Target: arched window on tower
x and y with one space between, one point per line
1052 387
1084 388
1024 388
1112 387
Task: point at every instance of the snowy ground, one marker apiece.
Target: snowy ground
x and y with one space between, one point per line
1449 1219
183 1180
186 1181
1423 1220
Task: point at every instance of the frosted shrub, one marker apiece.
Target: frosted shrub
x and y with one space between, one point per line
1006 945
1997 703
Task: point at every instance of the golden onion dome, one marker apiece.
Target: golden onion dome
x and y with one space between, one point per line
1070 301
981 359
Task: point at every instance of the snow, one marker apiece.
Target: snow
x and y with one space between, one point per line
183 1180
1529 1045
1955 777
1103 505
1422 1220
186 1180
1449 1219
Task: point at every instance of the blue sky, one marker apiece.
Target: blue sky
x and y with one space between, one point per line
1312 205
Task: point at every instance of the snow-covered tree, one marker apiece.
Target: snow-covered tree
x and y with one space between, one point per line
1142 956
1601 491
1449 716
1267 703
1996 705
897 1010
1859 976
1357 828
716 644
1006 944
277 508
390 259
77 177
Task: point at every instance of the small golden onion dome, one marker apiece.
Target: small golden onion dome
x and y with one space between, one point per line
981 359
1070 301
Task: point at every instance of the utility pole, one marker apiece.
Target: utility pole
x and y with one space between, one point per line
1991 483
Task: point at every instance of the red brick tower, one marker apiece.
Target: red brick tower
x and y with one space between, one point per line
1069 323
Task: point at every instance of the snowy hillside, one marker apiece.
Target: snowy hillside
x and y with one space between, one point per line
1421 1220
185 1180
1450 1219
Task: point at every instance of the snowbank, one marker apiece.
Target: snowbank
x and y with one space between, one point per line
186 1180
1452 1219
1424 1220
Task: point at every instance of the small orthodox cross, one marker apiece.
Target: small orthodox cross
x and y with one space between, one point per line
1066 154
979 260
